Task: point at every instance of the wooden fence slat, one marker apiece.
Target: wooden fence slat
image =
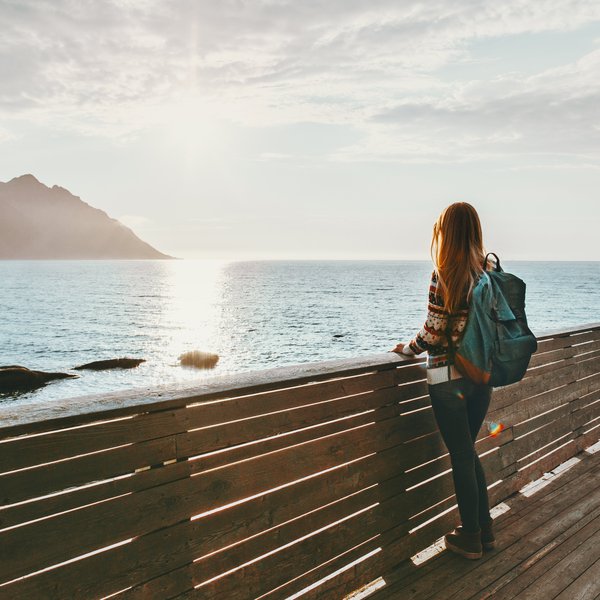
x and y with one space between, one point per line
168 548
530 408
281 453
158 507
30 450
46 506
45 416
532 386
30 483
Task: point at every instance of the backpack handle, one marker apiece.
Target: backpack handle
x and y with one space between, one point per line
497 267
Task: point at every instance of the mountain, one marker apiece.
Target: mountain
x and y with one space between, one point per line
41 222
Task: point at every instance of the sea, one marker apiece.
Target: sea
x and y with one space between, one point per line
254 315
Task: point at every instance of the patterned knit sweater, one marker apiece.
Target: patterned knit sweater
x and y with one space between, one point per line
432 336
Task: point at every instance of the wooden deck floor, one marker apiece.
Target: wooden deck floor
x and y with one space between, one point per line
547 547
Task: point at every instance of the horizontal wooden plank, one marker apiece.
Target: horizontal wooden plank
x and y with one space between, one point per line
226 435
33 544
566 331
30 483
529 443
587 366
546 344
583 401
30 450
275 570
540 359
588 436
591 346
22 486
532 386
541 418
532 407
429 455
363 554
210 413
243 455
174 547
589 384
73 498
533 471
44 416
586 415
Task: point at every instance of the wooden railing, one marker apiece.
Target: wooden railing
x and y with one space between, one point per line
264 484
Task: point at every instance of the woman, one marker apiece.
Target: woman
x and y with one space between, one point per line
459 405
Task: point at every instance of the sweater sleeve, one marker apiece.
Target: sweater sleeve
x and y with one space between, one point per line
432 333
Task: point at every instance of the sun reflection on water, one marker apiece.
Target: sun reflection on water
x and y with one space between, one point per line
193 308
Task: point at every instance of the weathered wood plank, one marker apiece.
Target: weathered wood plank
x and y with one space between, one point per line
586 586
445 577
547 344
552 357
532 407
514 482
328 590
32 545
43 416
525 446
74 498
364 422
532 386
30 450
37 481
30 483
174 547
517 577
251 429
541 419
566 331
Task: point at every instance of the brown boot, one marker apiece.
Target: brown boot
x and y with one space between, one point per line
464 543
488 541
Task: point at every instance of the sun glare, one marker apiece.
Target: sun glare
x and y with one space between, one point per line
194 308
192 129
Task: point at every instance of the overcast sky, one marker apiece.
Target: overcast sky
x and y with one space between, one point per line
312 129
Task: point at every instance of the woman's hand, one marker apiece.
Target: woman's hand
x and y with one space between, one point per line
398 348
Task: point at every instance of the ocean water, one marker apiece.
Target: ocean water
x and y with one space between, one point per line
253 314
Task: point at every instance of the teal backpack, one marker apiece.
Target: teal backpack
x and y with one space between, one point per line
496 344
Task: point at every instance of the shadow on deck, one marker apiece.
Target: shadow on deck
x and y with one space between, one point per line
547 546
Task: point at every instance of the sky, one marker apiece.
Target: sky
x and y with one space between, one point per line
251 129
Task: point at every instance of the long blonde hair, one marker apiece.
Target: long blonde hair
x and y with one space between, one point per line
458 253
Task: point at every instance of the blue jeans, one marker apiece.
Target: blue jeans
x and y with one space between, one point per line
459 407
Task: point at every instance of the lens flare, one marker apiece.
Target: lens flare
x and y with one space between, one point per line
495 428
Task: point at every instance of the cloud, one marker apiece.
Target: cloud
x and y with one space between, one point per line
553 113
116 68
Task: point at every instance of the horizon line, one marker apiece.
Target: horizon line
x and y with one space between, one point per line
295 258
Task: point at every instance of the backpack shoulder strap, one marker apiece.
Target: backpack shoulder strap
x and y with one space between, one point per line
497 267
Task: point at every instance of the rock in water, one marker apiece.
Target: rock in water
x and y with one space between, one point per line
14 378
198 359
113 363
